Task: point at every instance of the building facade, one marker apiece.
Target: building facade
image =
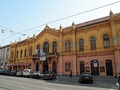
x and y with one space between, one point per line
4 55
92 47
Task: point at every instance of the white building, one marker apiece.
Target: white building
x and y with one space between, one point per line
4 55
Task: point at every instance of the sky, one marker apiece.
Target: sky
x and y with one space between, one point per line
23 18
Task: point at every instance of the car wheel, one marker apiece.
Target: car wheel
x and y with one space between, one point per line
80 81
43 78
91 82
52 78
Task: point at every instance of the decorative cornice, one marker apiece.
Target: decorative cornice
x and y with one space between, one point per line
96 54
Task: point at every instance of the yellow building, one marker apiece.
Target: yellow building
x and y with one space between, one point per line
91 47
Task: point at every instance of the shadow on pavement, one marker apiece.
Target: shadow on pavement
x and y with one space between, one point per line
99 81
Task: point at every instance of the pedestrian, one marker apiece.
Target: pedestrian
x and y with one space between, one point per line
119 82
70 73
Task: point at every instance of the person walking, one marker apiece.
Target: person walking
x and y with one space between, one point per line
70 73
119 82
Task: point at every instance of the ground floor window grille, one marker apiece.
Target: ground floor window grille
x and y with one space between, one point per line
67 66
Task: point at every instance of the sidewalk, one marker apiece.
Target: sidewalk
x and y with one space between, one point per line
98 81
95 78
67 80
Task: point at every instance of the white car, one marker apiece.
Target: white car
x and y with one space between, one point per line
27 72
37 74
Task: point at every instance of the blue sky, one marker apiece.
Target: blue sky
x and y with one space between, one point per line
17 17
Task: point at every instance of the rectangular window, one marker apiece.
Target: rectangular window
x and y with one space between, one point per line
6 56
7 49
67 66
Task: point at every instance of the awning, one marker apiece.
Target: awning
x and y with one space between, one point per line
21 64
9 64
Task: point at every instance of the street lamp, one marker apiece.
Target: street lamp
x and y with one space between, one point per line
2 30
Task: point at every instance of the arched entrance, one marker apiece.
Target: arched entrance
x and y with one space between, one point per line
109 69
45 66
54 67
82 67
37 66
94 67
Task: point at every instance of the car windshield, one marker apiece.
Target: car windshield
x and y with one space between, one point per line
36 72
26 70
86 74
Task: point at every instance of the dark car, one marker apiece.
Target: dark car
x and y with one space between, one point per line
49 75
84 77
2 71
36 74
13 72
7 72
19 74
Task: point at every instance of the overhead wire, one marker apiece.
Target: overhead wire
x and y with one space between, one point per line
71 16
5 28
68 17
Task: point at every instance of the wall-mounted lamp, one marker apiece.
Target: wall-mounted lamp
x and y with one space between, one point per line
87 62
101 61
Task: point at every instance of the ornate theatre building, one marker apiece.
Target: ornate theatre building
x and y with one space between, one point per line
92 47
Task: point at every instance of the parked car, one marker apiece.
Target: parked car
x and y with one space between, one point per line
13 72
85 77
19 74
27 72
36 74
49 75
7 72
2 71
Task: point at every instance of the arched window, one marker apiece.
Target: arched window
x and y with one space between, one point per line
93 42
67 46
38 46
106 40
30 51
25 53
81 44
20 53
46 47
54 49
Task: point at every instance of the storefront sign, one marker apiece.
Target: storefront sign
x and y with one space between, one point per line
42 58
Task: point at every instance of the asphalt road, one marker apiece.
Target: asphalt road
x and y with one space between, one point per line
61 83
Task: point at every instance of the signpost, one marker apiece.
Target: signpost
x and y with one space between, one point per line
95 66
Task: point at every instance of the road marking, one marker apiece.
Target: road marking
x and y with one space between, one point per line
3 88
76 82
57 80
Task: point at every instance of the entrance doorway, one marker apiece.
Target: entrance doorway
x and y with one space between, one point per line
45 66
82 67
37 66
94 67
109 69
54 67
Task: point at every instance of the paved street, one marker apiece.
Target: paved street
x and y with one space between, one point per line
61 83
103 82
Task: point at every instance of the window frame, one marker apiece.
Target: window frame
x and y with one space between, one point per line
68 46
81 44
92 42
106 41
54 47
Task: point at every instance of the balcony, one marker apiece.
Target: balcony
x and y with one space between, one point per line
54 54
34 57
48 55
